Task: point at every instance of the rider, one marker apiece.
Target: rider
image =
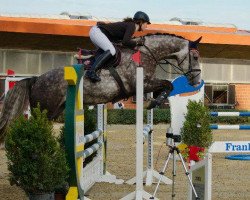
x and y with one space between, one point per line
102 35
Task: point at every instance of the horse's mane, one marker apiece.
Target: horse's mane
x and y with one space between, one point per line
169 34
154 34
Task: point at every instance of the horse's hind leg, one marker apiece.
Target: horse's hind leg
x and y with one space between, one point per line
58 111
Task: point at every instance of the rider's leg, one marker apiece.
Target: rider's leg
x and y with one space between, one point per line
100 40
91 73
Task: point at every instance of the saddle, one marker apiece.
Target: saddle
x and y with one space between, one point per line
87 58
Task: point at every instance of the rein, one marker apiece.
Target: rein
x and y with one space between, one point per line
166 61
176 67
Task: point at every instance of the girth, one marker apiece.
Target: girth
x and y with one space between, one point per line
123 92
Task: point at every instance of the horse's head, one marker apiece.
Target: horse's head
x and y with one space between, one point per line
164 47
194 65
188 61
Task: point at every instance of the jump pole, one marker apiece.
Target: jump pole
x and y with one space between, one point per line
139 193
150 175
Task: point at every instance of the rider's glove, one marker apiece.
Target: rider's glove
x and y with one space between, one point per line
140 42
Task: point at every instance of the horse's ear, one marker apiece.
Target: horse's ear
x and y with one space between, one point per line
194 44
198 40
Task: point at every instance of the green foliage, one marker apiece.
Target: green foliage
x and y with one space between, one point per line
36 162
90 120
126 116
161 116
121 116
196 131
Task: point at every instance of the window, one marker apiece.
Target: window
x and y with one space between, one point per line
220 95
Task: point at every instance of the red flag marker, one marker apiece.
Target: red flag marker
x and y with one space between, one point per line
10 72
136 57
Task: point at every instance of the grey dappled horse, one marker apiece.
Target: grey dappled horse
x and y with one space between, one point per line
49 89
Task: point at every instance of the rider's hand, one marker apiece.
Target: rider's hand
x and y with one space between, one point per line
140 42
137 48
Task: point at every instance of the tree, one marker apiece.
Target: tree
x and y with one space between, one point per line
196 129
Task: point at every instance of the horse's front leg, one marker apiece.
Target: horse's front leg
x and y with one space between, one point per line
164 87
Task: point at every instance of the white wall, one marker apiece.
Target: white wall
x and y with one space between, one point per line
216 70
26 63
225 70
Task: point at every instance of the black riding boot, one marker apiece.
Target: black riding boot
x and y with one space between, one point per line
91 74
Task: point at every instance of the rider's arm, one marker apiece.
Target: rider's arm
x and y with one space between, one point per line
127 38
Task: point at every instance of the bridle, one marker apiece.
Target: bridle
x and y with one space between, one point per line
190 68
177 67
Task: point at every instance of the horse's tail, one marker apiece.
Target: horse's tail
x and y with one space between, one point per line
16 101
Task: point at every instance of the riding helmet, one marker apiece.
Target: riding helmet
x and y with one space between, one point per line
139 15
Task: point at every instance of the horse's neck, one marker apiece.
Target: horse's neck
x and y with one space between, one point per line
162 45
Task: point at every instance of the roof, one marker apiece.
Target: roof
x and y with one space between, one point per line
62 16
68 34
71 27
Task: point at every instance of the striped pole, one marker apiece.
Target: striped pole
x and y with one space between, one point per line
230 127
90 137
89 151
230 114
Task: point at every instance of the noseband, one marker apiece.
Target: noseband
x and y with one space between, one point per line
190 68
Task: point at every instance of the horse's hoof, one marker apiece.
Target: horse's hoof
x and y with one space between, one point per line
2 145
152 104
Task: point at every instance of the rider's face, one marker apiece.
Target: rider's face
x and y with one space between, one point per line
144 26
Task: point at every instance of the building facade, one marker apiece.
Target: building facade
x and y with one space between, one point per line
31 46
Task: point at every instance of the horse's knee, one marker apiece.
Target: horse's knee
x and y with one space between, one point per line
171 87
